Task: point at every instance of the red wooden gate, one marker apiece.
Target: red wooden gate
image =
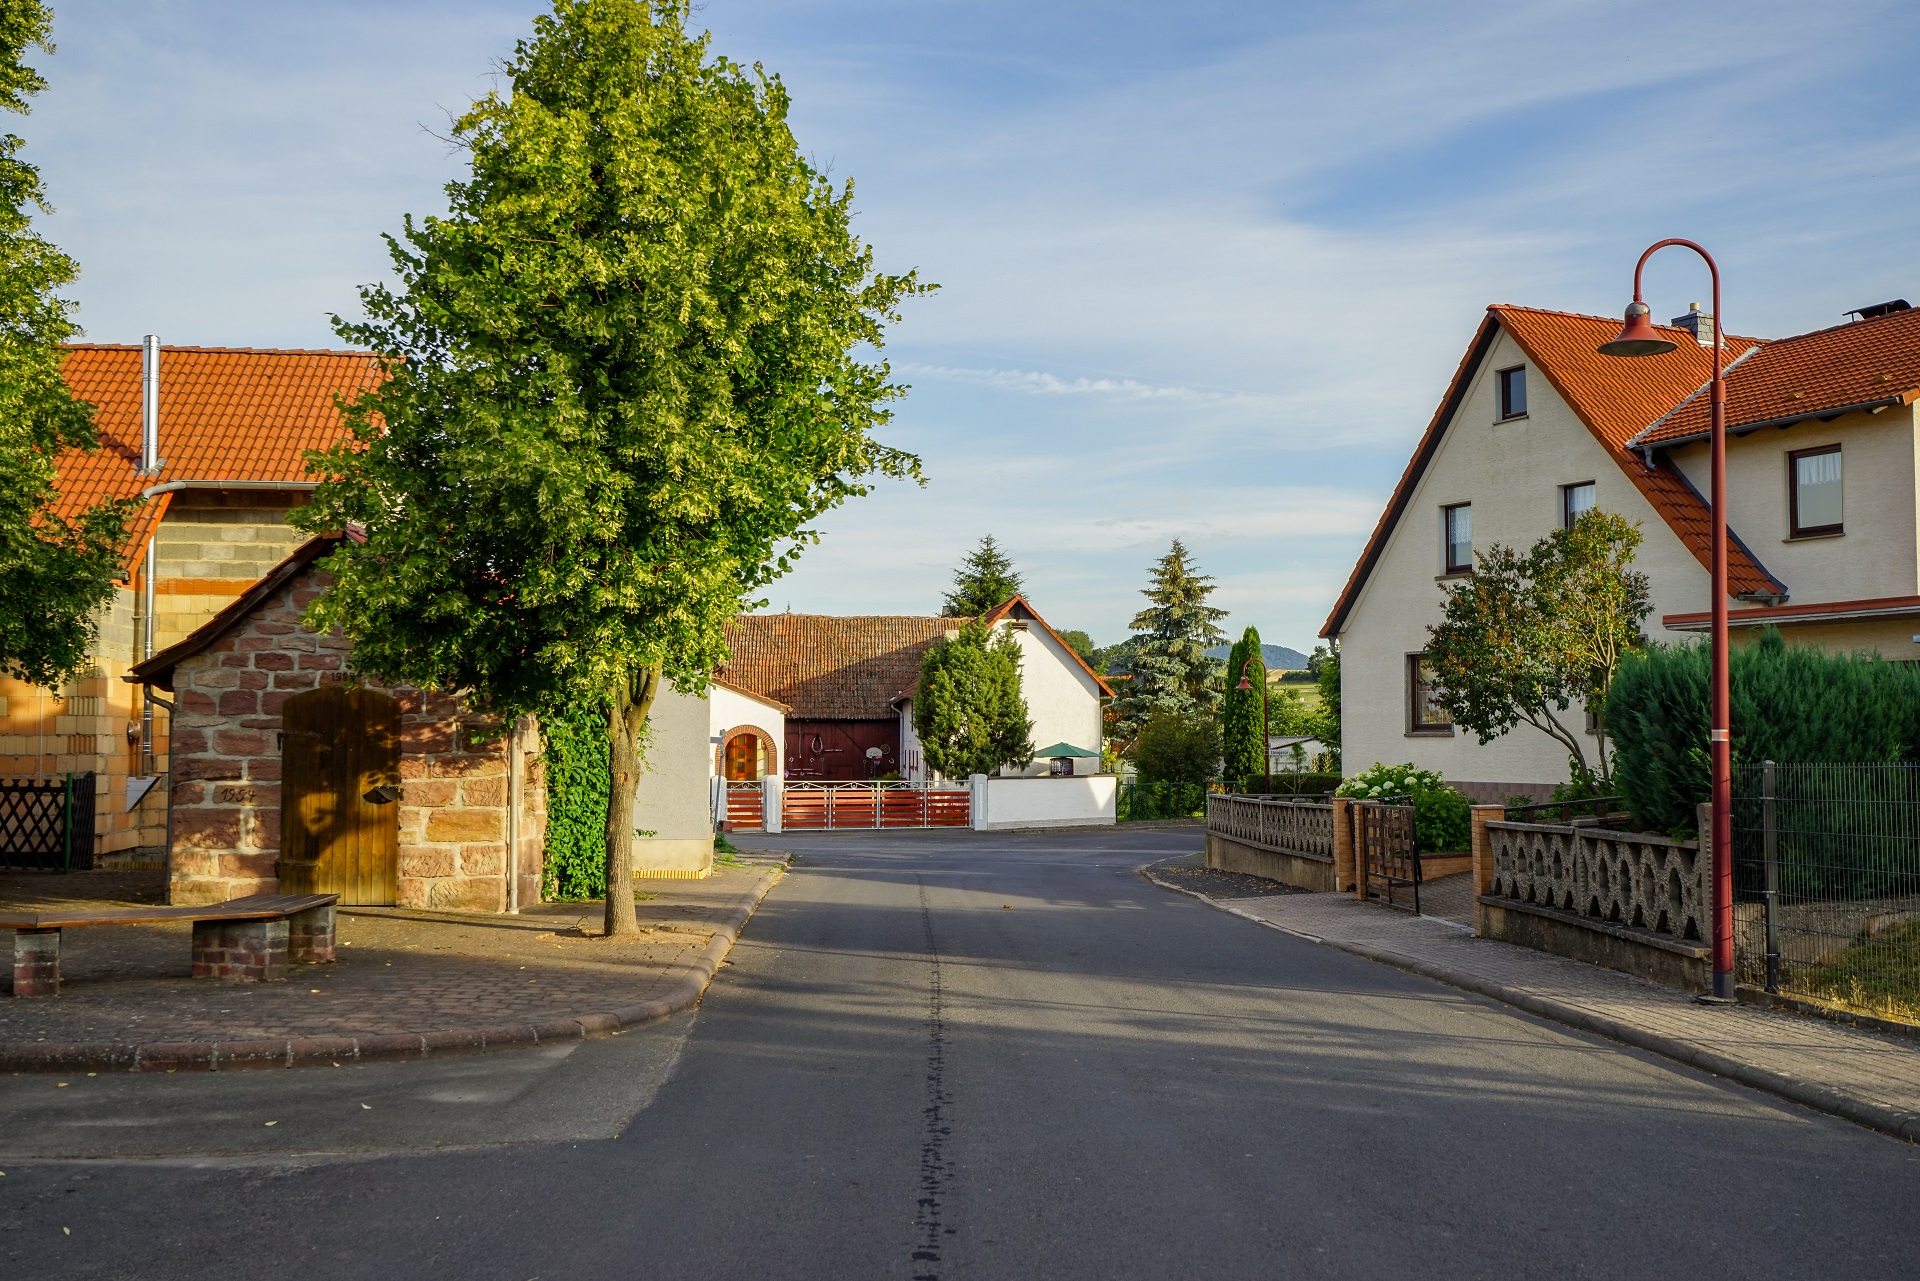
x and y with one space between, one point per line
824 806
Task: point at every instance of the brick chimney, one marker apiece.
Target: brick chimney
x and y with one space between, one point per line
1696 322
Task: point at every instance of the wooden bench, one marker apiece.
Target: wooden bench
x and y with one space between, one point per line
249 939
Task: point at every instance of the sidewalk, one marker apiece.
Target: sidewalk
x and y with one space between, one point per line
406 984
1866 1077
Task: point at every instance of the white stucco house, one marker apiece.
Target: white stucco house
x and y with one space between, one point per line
1823 474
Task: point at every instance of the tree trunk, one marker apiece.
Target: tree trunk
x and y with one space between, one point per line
626 717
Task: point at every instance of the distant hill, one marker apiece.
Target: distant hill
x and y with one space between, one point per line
1278 658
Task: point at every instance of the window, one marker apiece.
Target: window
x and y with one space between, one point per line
1457 523
1813 481
1513 392
1575 502
1424 716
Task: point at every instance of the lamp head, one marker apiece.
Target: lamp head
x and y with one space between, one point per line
1637 336
1243 687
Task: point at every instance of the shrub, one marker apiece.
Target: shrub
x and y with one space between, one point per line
577 785
1442 818
1789 704
1177 747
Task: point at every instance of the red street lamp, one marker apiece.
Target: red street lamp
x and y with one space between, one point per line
1638 337
1266 736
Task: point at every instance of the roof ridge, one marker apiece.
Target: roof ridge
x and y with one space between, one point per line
225 351
1654 426
1611 320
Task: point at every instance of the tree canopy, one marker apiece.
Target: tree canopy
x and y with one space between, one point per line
1531 632
985 580
968 709
55 573
622 380
1169 663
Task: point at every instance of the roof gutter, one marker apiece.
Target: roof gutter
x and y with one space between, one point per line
1747 429
173 486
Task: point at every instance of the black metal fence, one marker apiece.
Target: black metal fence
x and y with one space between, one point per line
1827 883
46 824
1141 801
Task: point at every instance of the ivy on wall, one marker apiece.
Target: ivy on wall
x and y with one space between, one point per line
577 773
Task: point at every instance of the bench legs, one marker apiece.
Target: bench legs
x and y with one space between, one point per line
250 951
310 936
36 962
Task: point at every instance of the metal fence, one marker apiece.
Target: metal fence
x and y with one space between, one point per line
46 824
1827 883
1139 801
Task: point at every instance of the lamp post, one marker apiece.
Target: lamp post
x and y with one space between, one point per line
1639 338
1266 736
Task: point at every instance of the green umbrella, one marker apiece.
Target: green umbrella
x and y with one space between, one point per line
1067 749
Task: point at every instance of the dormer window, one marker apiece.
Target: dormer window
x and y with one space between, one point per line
1513 392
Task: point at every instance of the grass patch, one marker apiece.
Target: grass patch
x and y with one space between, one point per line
1880 975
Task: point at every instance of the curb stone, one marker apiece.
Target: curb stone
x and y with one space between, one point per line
1821 1098
319 1051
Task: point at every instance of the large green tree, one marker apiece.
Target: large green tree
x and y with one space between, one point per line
968 710
623 378
1169 663
1243 717
1532 632
985 580
55 573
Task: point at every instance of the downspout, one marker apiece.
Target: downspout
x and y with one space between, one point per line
146 652
515 789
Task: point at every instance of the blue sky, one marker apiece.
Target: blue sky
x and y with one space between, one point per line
1205 268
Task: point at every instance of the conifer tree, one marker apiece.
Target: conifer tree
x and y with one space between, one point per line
1171 670
968 711
1241 719
985 580
55 572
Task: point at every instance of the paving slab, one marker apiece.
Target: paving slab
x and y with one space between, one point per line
1865 1076
405 984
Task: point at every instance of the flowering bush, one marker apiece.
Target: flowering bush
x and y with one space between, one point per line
1441 816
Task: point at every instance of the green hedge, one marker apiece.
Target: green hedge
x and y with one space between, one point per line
1442 817
1287 784
1144 801
1790 704
577 774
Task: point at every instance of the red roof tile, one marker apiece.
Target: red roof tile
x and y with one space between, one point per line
1851 366
225 414
1615 398
830 668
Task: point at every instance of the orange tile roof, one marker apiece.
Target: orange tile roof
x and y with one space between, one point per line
833 668
1615 398
226 413
1851 366
826 667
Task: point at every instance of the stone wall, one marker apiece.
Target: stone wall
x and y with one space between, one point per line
456 771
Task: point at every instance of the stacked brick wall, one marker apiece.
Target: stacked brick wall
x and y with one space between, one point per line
454 771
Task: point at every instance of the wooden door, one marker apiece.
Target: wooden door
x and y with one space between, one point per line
339 831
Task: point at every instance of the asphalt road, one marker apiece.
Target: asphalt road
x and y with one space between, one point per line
957 1056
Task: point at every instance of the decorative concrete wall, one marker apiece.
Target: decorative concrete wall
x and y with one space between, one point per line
457 771
1631 901
1287 841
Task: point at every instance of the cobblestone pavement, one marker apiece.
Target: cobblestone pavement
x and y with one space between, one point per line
1849 1063
397 971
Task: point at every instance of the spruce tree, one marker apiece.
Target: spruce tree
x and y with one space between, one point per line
55 573
1171 670
1241 719
985 580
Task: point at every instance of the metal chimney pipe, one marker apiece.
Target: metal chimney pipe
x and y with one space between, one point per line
150 460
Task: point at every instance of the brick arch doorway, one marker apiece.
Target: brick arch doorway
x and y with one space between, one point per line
339 793
748 753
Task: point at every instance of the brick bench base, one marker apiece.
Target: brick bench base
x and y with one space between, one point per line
36 962
254 951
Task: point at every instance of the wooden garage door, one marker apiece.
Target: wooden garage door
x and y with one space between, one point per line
338 832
